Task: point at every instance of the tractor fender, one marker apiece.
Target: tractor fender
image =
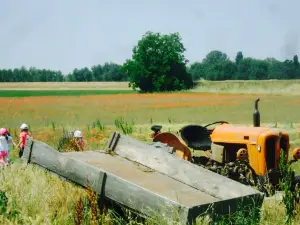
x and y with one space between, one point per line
182 151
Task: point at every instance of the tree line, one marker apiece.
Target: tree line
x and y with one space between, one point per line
105 72
217 66
158 63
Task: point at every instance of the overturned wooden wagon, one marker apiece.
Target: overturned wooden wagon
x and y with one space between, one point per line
144 178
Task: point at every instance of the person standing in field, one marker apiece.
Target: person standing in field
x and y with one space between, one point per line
3 146
79 140
23 135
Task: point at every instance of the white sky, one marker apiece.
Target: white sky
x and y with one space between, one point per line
67 34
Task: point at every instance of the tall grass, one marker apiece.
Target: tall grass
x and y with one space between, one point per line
29 195
286 184
33 196
249 86
126 127
36 197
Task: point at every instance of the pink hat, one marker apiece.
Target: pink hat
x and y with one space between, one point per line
3 131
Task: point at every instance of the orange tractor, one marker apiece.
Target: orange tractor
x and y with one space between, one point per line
246 154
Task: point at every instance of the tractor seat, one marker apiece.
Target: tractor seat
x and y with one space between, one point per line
156 128
196 137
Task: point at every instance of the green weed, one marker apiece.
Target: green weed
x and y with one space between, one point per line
286 175
99 125
53 125
126 127
3 202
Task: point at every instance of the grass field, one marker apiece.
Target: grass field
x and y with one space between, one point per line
291 87
38 198
179 108
202 86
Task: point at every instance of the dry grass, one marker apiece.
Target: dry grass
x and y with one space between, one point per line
230 86
38 197
291 87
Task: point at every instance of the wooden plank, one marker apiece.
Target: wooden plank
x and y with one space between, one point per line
143 177
116 188
122 181
197 201
46 157
198 177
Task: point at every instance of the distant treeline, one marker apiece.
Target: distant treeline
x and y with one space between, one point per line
215 66
106 72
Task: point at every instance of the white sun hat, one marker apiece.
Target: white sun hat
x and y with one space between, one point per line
78 134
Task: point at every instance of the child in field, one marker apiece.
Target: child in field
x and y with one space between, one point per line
23 135
3 146
79 140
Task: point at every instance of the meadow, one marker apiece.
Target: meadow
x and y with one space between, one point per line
36 197
291 87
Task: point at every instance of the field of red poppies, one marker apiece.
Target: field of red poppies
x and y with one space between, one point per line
98 115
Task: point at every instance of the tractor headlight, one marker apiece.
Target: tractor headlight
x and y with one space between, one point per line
258 147
296 153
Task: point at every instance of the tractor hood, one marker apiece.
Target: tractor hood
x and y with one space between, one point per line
228 133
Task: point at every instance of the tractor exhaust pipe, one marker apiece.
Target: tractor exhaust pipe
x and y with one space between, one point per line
256 115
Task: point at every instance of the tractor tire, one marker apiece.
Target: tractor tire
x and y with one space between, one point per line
296 181
200 161
295 186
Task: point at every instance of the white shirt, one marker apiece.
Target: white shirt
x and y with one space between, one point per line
3 144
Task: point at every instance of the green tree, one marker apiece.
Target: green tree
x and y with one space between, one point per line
239 57
112 72
215 57
197 70
81 75
158 64
289 69
217 66
243 69
275 69
296 61
97 72
252 69
108 72
296 67
259 70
